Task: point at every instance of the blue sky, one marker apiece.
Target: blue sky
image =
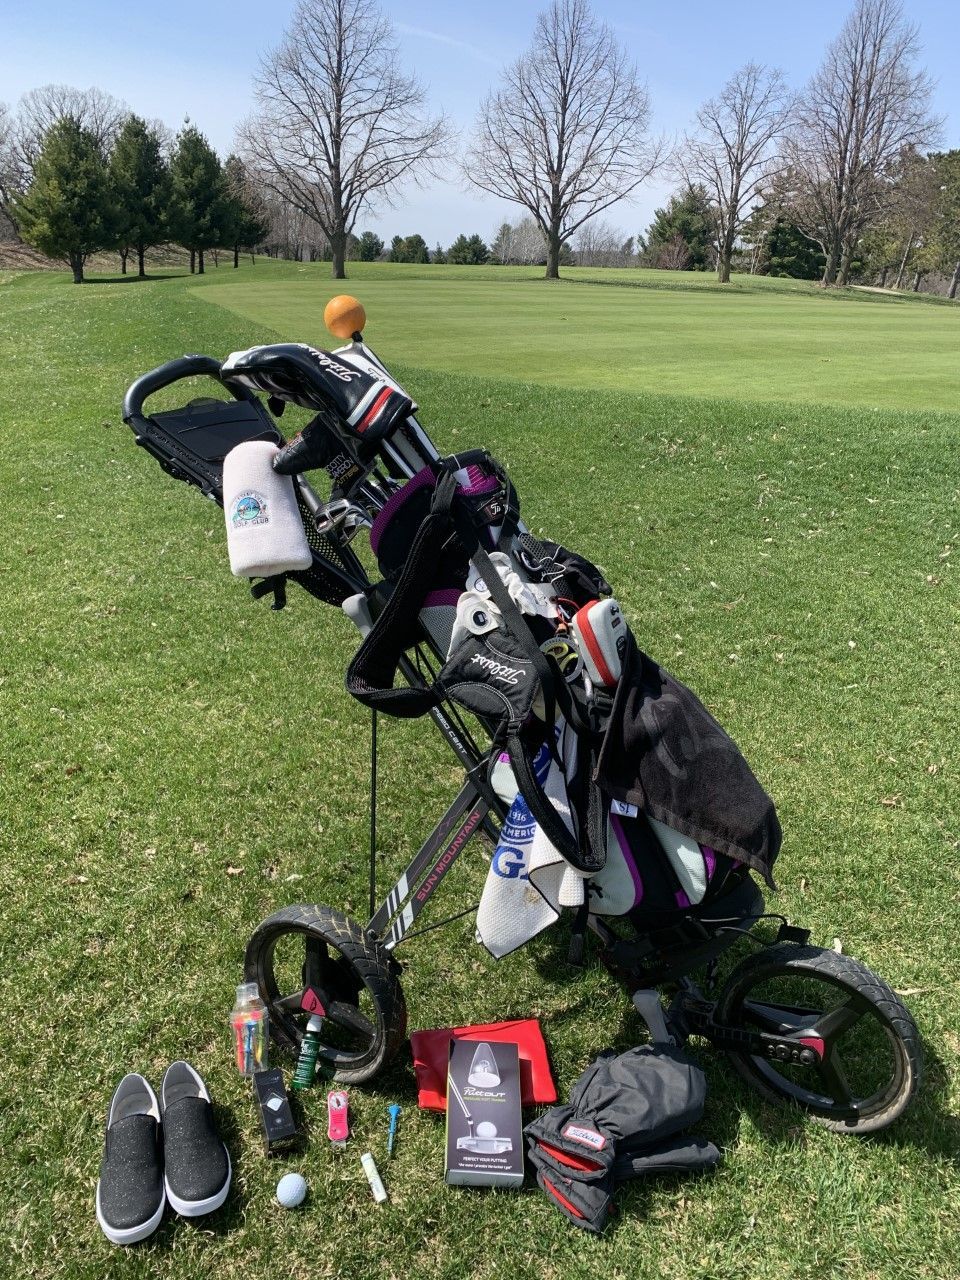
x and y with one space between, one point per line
198 59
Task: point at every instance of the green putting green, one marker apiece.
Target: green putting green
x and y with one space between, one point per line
671 332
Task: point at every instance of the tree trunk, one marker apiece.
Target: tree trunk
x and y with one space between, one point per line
553 256
193 261
916 281
338 251
830 267
954 282
216 257
76 266
236 256
123 261
903 262
882 282
846 257
200 271
141 270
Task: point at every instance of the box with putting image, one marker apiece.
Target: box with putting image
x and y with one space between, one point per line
484 1127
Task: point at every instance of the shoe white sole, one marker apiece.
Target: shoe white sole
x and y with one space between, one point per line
129 1235
197 1208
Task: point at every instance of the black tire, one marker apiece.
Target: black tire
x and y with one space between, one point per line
365 1013
873 1058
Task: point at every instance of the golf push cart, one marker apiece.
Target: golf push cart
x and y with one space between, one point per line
602 786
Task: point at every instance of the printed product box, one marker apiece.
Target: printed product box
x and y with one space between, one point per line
484 1126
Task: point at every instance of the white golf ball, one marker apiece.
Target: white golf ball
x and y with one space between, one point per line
486 1129
291 1190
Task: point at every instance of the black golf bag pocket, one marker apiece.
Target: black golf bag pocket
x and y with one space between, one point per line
664 752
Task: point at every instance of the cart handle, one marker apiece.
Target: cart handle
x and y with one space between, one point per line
188 366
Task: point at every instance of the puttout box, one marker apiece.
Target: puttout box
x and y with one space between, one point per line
484 1125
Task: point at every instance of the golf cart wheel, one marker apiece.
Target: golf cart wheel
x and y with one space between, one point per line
313 949
871 1055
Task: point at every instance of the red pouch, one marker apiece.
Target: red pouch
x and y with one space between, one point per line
431 1054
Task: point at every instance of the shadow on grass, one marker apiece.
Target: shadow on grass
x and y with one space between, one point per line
927 1126
134 279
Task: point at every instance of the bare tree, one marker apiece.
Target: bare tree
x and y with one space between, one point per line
21 137
338 126
8 166
865 104
93 110
733 154
519 244
566 134
598 244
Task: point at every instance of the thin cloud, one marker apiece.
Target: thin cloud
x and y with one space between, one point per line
442 39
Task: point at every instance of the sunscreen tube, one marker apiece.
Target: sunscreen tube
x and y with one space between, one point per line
373 1177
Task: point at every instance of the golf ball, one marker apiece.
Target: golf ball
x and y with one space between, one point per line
291 1190
486 1129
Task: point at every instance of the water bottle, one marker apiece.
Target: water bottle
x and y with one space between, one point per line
309 1052
250 1021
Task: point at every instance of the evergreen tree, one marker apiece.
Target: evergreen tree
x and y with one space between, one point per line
948 215
398 250
141 185
245 222
369 247
415 249
68 209
688 221
439 255
199 205
791 253
468 251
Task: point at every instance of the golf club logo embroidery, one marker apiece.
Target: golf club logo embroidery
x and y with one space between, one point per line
249 508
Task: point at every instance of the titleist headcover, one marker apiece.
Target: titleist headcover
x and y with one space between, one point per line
265 534
368 406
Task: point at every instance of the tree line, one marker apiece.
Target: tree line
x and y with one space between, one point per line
79 174
840 172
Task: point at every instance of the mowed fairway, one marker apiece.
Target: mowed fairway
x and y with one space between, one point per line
178 761
656 331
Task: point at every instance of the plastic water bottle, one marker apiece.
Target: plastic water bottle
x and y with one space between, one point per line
250 1021
309 1052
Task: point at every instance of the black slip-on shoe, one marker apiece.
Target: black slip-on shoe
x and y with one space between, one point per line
130 1196
197 1176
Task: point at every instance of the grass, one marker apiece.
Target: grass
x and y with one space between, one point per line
179 762
659 331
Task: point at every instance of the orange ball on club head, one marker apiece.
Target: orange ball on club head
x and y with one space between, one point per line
344 316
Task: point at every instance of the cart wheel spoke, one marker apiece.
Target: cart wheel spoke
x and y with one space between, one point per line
834 1077
834 1023
292 1003
351 1019
777 1019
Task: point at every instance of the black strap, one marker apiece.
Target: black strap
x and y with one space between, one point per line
276 583
578 930
373 668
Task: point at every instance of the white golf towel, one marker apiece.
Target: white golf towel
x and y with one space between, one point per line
529 883
265 534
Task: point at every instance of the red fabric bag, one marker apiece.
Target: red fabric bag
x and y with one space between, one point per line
431 1053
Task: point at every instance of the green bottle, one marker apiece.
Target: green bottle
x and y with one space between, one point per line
309 1052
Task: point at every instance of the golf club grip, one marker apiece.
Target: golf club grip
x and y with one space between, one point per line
183 367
